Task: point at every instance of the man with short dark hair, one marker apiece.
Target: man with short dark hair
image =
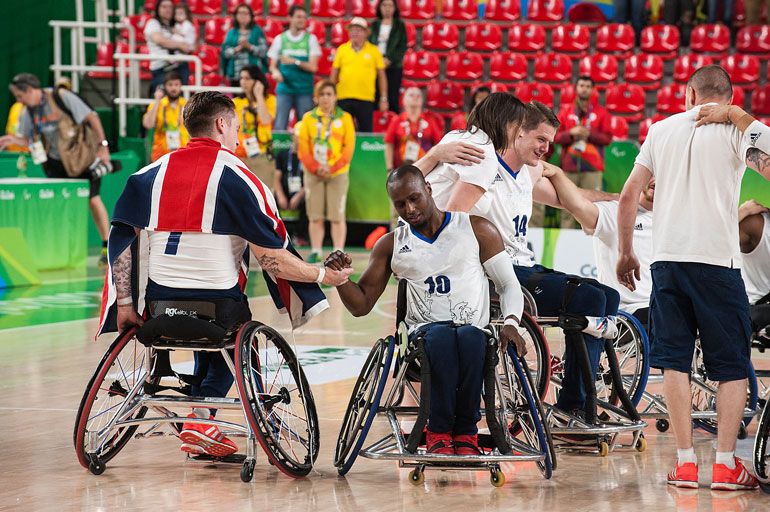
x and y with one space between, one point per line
583 133
39 130
696 280
164 115
203 212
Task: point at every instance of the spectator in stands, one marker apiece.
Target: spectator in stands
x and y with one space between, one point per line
245 44
159 33
460 120
682 14
583 133
631 11
293 60
184 30
389 34
165 116
357 67
289 190
754 11
727 11
39 130
326 143
256 110
410 135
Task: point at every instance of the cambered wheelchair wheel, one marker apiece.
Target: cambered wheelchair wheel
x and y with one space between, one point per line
762 449
632 348
364 404
527 419
117 378
277 399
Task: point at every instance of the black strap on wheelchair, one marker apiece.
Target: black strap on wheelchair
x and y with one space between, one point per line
415 436
763 300
163 368
617 381
588 381
490 377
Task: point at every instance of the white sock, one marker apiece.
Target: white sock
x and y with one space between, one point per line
316 251
726 458
339 249
202 413
687 455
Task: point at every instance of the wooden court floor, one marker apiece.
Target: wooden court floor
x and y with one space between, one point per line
46 367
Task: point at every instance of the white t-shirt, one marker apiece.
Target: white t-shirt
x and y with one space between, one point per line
698 175
195 260
383 36
151 27
444 176
605 237
186 32
275 48
756 265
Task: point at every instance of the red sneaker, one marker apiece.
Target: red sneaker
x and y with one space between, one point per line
207 437
466 444
684 475
440 443
738 479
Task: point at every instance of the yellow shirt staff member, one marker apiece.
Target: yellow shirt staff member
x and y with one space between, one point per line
326 142
256 110
165 116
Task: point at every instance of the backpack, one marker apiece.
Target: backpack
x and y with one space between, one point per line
78 143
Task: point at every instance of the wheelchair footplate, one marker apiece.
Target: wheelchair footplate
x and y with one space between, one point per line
573 433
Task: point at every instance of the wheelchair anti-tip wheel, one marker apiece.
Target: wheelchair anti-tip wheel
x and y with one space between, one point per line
363 405
119 376
277 399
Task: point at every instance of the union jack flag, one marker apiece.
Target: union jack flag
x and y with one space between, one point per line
203 188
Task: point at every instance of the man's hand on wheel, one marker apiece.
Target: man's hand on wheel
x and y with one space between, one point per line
338 260
509 334
128 317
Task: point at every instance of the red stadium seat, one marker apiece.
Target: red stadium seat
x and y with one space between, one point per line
483 37
602 68
445 95
420 65
644 126
626 100
545 11
743 70
272 29
661 39
257 6
567 95
411 35
526 38
739 97
318 29
205 7
339 33
213 80
381 120
144 65
280 7
215 30
418 9
570 39
618 128
553 68
325 61
760 101
327 8
586 13
534 91
710 38
671 99
685 65
507 67
644 69
616 39
364 8
753 39
209 56
493 86
138 21
503 10
104 57
440 36
464 66
460 10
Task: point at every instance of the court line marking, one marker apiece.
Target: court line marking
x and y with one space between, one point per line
36 409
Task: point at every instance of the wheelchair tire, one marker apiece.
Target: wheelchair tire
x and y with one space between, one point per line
541 357
277 399
632 342
122 381
364 404
762 446
752 402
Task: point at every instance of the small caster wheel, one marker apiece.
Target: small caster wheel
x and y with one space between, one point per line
604 449
96 466
247 471
641 444
497 477
742 433
661 425
416 477
765 487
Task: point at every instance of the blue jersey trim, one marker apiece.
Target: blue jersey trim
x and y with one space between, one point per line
507 167
438 232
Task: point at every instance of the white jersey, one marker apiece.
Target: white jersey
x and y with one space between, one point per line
195 260
443 178
605 238
756 265
510 210
444 276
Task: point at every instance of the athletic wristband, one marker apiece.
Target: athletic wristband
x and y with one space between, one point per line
125 301
321 275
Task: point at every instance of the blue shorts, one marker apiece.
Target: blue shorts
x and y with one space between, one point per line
707 301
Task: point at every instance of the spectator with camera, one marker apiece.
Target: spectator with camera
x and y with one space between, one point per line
165 116
256 111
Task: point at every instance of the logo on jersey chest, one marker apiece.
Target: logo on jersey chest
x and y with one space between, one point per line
639 227
404 249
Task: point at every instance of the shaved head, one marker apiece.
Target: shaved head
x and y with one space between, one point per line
711 82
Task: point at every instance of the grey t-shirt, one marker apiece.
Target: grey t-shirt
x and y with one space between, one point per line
40 118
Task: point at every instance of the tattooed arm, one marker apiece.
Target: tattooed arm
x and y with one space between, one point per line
121 273
281 263
759 161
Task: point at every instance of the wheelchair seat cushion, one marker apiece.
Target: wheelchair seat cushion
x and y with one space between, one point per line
179 327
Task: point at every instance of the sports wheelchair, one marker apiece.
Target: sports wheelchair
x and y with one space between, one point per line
128 395
514 415
761 342
619 384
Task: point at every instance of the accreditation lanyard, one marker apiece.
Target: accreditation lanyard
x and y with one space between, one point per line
173 136
412 148
37 149
293 180
321 145
252 142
